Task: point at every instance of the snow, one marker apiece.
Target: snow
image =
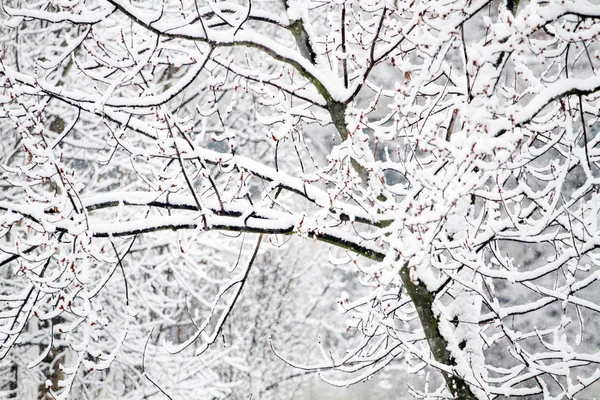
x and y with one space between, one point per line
463 159
56 17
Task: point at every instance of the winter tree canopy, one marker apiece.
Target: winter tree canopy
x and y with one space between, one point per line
176 176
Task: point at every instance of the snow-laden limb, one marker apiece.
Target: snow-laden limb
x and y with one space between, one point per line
328 86
89 17
521 116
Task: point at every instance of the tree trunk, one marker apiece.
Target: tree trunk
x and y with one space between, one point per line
423 301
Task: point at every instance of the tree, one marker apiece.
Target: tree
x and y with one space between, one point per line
446 149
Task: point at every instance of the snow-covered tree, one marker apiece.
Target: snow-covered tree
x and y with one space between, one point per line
158 157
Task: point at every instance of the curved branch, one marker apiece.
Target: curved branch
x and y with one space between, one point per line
242 38
560 89
88 18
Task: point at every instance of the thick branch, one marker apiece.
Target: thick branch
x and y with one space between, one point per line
423 300
251 225
227 39
301 36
